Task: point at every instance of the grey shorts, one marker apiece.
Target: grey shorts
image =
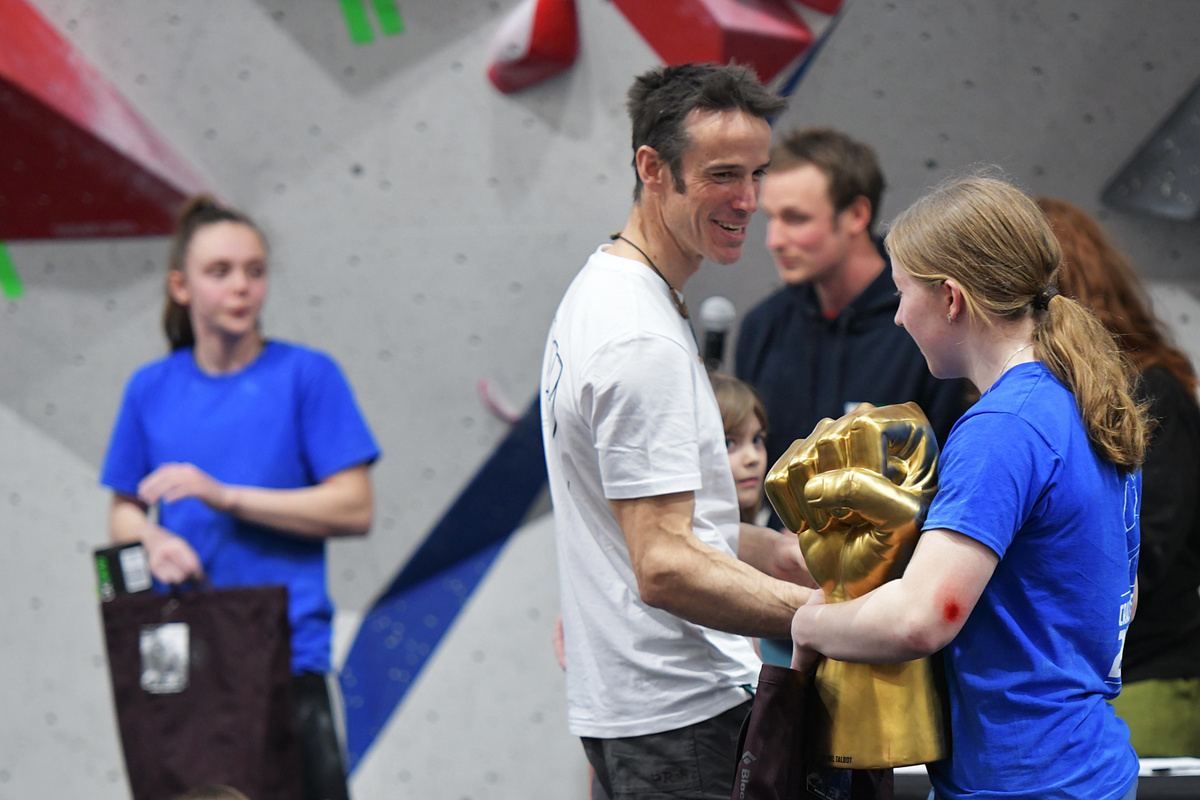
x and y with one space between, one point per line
693 762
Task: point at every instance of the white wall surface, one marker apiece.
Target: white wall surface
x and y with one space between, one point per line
423 228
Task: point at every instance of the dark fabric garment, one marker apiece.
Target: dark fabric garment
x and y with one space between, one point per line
320 751
807 367
690 763
231 720
770 753
1164 637
772 763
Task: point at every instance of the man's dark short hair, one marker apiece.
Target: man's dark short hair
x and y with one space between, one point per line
660 100
850 166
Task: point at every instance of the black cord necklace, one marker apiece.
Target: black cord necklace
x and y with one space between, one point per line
675 295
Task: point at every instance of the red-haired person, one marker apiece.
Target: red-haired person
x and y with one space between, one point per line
1160 696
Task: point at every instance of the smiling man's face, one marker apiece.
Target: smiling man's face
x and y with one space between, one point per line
722 173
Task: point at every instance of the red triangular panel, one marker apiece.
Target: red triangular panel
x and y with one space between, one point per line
680 31
763 34
824 6
75 159
539 39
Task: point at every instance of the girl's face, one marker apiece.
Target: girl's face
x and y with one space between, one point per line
748 460
922 312
224 281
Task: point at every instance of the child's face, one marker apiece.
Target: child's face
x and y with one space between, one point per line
224 280
748 459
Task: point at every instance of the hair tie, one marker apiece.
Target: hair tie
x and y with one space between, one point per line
1041 300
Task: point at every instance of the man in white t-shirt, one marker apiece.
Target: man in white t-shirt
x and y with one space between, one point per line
660 582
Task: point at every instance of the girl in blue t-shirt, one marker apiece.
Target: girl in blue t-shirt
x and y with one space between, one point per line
234 458
1025 573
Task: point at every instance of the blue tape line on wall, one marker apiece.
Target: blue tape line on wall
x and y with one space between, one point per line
404 626
790 84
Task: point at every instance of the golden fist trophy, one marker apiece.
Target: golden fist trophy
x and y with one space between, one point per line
856 491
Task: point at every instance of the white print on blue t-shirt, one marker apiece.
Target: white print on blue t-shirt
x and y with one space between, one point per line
1131 512
1126 614
1132 508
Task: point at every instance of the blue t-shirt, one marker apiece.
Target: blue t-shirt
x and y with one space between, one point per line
1030 671
286 421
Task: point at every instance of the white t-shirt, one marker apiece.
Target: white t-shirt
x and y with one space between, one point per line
628 412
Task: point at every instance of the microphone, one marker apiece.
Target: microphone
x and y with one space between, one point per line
717 314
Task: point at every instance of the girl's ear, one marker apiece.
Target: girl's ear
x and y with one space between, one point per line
952 296
177 287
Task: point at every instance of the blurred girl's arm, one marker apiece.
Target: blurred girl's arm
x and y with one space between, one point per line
340 505
172 560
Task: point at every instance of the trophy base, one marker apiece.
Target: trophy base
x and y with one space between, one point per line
874 716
